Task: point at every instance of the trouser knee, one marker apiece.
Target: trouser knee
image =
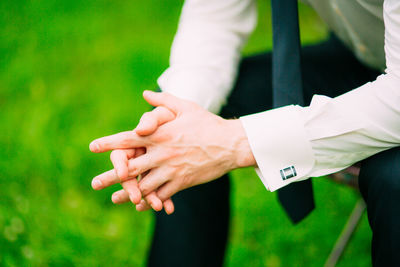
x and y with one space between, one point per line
380 178
380 187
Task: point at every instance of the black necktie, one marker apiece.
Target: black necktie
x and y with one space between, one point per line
297 198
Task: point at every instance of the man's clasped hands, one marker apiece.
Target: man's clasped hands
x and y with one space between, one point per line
175 146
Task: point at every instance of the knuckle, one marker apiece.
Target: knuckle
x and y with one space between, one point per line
161 135
144 188
123 179
146 163
146 115
174 153
185 181
133 171
136 168
158 109
162 155
162 195
167 115
128 135
115 177
124 143
156 137
126 138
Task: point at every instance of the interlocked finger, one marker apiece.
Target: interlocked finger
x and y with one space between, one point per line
119 159
143 206
169 206
154 202
123 140
153 180
169 189
167 100
105 179
151 120
120 197
131 187
142 164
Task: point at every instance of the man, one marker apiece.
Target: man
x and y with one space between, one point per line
180 144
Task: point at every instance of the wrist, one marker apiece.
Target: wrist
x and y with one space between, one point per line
242 154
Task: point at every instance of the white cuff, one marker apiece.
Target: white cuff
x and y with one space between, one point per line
280 146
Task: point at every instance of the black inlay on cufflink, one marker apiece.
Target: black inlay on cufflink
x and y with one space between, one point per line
288 173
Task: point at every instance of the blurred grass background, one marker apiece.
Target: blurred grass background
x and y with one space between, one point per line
71 71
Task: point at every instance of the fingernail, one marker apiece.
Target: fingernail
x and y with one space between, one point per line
96 184
132 198
115 198
153 206
94 147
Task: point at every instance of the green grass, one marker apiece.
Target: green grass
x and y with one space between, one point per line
71 71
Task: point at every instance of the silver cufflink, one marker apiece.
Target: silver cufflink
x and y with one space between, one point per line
288 172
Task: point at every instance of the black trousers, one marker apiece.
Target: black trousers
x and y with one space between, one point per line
196 234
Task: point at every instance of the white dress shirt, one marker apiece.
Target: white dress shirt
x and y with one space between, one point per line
329 135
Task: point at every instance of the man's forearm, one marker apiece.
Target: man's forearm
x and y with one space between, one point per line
206 50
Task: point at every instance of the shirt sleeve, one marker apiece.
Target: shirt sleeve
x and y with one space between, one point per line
206 50
294 143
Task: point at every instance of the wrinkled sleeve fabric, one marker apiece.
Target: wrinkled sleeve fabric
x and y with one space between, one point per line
206 50
332 133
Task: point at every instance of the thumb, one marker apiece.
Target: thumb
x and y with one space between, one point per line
150 121
165 99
